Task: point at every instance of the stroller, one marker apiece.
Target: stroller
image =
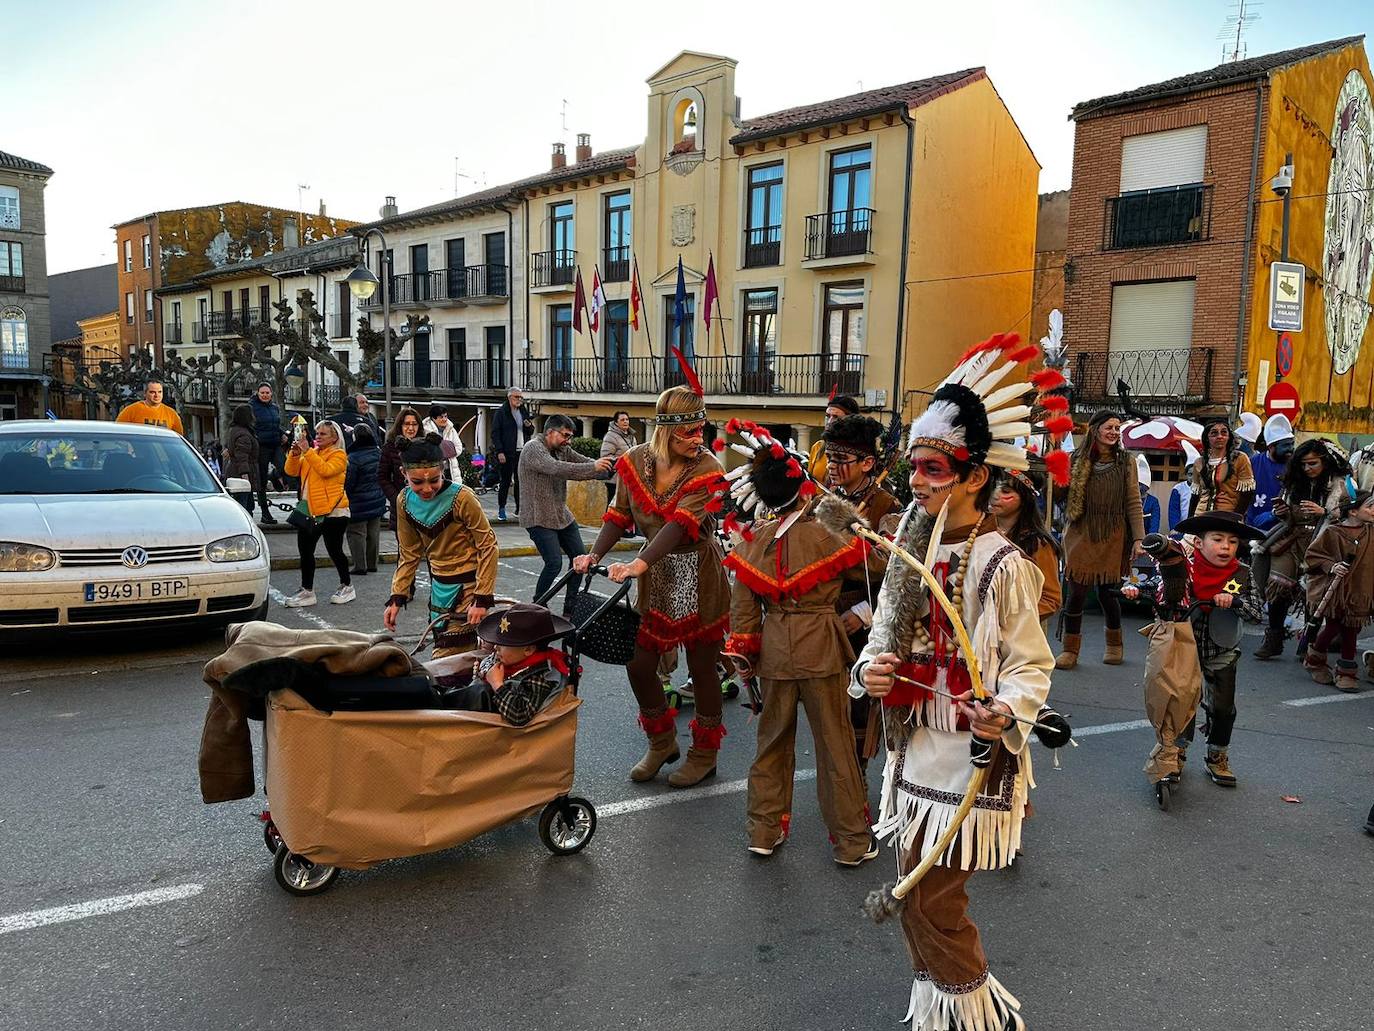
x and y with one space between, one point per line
353 787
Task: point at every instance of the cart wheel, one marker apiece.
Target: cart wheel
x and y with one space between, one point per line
299 876
1163 794
271 837
673 697
566 832
729 688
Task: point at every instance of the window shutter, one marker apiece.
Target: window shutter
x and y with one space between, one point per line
1162 159
1153 316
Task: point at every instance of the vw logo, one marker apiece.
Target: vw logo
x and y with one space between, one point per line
134 557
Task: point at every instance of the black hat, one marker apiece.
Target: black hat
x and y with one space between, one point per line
1226 522
522 624
421 453
856 434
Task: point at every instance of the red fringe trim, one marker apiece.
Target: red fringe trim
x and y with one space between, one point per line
805 580
688 522
706 482
660 634
619 518
659 724
1057 462
708 738
744 644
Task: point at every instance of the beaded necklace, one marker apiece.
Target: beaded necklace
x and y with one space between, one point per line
956 594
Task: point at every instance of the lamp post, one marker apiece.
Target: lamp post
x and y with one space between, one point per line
362 284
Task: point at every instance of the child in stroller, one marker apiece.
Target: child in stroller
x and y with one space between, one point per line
522 673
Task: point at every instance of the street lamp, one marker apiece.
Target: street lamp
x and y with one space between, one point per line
294 376
362 284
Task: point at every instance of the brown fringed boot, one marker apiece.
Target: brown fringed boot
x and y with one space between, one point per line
707 732
661 728
1113 655
1068 658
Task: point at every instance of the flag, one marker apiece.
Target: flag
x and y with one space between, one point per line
636 298
579 302
598 301
680 300
712 293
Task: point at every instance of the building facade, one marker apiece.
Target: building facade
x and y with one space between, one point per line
1173 228
170 247
80 294
25 307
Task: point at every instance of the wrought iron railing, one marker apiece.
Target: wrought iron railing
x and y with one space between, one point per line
446 284
839 234
235 323
441 374
615 264
552 268
12 284
778 375
762 246
171 333
488 281
1158 380
1156 218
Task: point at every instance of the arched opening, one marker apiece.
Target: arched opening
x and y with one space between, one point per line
14 339
686 118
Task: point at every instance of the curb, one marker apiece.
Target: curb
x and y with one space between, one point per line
389 557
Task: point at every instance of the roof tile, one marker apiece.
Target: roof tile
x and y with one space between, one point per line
22 164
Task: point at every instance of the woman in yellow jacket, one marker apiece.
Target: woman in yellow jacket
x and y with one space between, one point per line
321 469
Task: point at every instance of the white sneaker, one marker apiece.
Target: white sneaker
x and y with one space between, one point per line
301 600
343 595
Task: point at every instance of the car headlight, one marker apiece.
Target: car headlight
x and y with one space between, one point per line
242 547
25 558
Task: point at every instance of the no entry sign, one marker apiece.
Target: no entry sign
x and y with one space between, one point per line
1282 398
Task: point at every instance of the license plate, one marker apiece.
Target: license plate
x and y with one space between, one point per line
136 590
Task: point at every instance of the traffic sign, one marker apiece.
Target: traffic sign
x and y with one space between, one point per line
1282 399
1287 280
1283 354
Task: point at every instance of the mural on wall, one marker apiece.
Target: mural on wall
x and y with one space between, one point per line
1348 256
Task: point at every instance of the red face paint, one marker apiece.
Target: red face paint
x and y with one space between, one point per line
935 471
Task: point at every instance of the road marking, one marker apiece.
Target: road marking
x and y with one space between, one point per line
518 569
1327 699
305 614
729 787
1111 728
98 907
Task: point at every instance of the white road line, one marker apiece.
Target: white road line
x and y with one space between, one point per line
1111 728
1327 699
304 614
98 907
518 569
729 787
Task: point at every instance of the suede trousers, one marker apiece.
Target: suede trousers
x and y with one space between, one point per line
942 941
839 785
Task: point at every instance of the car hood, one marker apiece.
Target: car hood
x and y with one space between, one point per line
119 520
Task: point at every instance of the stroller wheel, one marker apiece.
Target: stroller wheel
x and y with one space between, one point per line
566 825
1163 794
729 688
271 837
299 876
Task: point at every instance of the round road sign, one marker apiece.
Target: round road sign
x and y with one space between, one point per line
1282 398
1283 354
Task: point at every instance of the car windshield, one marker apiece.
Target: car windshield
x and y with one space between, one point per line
46 462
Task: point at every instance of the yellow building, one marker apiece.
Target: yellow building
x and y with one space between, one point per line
859 244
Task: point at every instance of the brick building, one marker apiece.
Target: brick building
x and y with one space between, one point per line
25 309
1170 219
173 246
1051 236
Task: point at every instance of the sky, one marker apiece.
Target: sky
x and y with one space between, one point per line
174 103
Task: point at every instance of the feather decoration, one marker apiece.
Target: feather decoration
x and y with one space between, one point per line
1011 392
1008 456
718 445
1054 403
688 373
1047 379
736 473
984 386
1057 463
1012 413
740 449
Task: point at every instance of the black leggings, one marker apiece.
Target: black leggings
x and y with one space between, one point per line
332 530
1078 597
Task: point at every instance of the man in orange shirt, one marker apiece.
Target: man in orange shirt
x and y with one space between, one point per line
151 411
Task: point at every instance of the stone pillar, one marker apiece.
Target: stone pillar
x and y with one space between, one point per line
586 426
804 438
482 442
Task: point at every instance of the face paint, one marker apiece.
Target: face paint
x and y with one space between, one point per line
425 482
935 470
690 434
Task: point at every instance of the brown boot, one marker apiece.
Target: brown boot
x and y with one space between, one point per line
1347 677
661 729
707 732
1068 658
1113 655
1317 669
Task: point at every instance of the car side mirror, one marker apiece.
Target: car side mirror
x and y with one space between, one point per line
238 485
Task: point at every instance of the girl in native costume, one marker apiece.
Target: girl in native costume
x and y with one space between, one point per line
665 491
1223 480
933 725
1016 507
1340 588
1102 534
784 621
444 524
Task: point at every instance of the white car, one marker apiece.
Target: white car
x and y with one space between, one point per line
107 525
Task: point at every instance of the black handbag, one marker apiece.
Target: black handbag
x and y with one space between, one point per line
605 632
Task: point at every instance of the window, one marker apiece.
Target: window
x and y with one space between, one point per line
681 336
494 253
842 339
176 313
14 339
455 258
458 357
419 273
128 255
849 179
147 306
617 232
560 346
844 229
129 308
561 227
496 355
1156 159
147 251
763 218
12 264
760 341
1150 346
617 344
244 316
9 207
265 304
343 317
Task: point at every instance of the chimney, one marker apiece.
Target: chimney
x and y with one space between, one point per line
560 156
389 209
584 147
322 214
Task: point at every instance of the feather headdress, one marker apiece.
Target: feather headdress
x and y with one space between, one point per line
771 479
979 411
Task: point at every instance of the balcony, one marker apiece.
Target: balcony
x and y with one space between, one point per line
615 264
232 324
1160 381
444 376
171 333
200 333
844 235
19 360
472 284
552 271
1157 218
778 375
11 284
762 246
341 325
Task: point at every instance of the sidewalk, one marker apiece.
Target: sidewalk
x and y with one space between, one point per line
513 541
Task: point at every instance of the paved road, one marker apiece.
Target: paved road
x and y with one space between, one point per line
1236 910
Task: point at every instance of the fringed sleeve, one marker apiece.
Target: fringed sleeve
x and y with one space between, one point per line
1011 647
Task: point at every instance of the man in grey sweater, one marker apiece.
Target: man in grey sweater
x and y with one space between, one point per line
547 463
